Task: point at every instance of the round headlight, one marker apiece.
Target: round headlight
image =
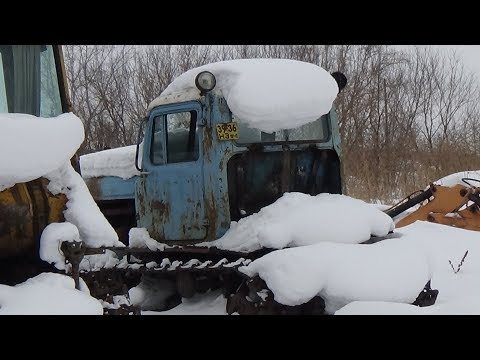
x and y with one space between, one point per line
205 81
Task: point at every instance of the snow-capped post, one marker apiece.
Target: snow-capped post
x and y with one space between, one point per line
459 265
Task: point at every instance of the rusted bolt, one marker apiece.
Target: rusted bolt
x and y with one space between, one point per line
431 218
463 192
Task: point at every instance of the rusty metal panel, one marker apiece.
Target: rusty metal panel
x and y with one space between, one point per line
25 210
16 221
217 152
170 196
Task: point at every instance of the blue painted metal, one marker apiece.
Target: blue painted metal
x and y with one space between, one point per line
111 188
170 196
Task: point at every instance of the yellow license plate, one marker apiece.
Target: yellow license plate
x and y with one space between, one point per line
227 131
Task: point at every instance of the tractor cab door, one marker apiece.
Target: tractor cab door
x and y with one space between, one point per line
170 192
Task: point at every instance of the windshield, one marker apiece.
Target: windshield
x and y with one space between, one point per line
28 80
317 131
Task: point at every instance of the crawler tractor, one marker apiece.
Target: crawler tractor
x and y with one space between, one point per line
199 169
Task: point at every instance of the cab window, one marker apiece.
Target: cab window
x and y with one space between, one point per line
179 132
28 80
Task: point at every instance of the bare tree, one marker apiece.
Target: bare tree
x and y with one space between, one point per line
406 117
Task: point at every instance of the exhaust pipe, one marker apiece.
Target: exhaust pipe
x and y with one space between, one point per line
341 80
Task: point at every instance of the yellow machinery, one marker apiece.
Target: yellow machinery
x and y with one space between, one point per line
25 210
32 81
457 206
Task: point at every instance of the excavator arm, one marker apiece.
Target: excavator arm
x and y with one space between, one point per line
457 206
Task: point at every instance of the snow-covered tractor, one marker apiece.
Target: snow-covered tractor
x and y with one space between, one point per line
236 185
222 144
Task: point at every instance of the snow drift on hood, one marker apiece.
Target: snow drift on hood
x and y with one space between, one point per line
298 219
32 146
266 94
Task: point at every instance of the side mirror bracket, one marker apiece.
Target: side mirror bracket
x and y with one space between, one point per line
140 131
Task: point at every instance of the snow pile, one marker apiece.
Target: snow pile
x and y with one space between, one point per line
381 207
81 209
381 308
454 179
84 221
266 94
460 306
298 219
441 244
140 238
118 162
32 146
48 294
51 239
390 270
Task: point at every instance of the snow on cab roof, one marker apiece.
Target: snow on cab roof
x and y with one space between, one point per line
266 94
293 220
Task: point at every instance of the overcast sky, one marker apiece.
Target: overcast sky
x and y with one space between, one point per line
469 53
